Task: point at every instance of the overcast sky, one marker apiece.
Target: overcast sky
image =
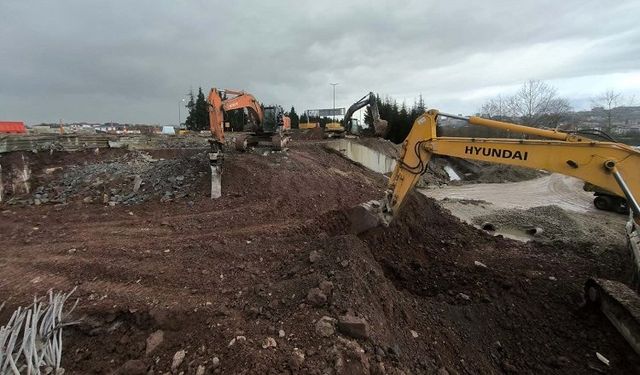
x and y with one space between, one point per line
132 61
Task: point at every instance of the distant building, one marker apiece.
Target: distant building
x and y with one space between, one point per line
12 127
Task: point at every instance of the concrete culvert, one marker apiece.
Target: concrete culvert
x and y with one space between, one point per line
488 226
534 231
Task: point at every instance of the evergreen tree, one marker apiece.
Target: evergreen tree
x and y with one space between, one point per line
201 112
295 120
191 104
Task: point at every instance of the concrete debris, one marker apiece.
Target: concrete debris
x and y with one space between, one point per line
325 326
269 342
215 362
178 358
602 358
480 264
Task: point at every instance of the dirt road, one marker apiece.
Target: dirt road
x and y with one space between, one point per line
555 189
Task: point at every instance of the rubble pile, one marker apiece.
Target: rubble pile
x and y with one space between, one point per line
132 178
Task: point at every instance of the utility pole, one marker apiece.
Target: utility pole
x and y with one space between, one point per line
334 100
180 105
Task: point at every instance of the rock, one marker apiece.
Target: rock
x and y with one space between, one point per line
178 358
325 326
350 358
414 334
72 251
442 371
281 333
237 339
133 367
353 326
480 264
154 340
509 368
269 342
464 296
326 287
552 278
314 256
215 362
316 297
296 359
200 370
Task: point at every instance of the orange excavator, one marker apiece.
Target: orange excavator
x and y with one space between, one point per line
268 125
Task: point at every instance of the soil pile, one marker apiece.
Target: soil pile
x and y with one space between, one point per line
267 280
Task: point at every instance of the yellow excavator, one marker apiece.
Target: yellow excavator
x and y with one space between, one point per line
610 166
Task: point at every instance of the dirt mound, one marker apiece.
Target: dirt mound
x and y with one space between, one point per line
591 232
381 145
308 134
267 281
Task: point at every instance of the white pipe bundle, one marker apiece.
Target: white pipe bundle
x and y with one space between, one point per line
32 339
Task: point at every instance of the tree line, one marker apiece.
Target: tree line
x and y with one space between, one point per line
535 103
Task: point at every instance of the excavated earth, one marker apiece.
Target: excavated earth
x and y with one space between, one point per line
251 283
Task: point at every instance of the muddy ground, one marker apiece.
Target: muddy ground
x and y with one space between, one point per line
267 280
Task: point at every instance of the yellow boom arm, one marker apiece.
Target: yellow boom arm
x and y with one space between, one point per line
612 166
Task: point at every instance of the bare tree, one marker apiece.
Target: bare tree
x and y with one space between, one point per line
535 103
495 108
608 100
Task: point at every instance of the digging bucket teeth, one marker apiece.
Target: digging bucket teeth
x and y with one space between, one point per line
369 215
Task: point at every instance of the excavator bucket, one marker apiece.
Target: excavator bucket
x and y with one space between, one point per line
367 216
381 127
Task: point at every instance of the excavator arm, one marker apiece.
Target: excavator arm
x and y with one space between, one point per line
219 104
608 165
611 166
379 125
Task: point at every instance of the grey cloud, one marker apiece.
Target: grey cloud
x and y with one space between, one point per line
133 61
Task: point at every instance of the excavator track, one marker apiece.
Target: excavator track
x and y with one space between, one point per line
620 304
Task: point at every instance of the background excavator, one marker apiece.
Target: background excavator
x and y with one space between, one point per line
379 125
268 125
610 166
352 126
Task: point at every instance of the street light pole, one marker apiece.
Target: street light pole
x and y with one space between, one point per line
334 100
179 115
